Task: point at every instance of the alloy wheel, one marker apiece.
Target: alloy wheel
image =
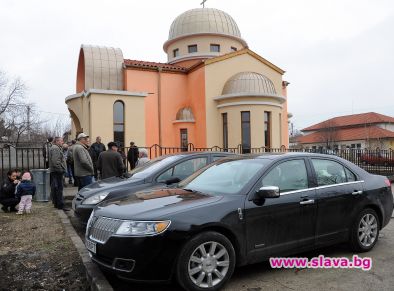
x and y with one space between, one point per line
208 264
367 230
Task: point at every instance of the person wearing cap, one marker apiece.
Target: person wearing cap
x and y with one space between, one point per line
57 168
110 163
25 191
83 164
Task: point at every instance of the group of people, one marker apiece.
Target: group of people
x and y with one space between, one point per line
77 160
83 163
17 190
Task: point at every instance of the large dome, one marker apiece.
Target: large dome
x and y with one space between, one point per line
204 21
249 83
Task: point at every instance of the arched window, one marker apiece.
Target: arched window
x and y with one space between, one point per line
119 123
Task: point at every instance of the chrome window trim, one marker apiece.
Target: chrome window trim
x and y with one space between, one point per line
321 187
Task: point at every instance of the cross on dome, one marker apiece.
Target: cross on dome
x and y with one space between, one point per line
203 3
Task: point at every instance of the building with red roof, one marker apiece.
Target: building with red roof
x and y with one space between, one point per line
366 130
212 91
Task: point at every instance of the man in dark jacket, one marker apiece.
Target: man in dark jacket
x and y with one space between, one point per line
95 150
132 155
110 162
7 192
45 151
57 168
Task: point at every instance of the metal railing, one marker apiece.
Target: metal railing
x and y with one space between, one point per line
374 161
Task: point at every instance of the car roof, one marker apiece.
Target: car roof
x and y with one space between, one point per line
281 155
197 153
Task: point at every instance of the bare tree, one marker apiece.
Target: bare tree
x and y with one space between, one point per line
22 123
328 134
11 92
56 127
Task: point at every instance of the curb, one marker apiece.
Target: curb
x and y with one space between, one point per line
95 277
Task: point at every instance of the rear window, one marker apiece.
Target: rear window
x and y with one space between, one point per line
329 172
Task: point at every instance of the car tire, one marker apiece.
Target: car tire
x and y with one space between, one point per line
197 271
365 231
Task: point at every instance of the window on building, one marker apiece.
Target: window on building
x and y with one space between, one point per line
359 145
267 129
245 131
184 139
233 49
119 123
215 48
192 48
175 53
225 131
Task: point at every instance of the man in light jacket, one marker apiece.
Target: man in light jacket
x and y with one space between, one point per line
57 168
110 163
83 164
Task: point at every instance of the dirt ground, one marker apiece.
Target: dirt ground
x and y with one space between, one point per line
36 253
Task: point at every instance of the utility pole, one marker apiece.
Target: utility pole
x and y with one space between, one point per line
28 121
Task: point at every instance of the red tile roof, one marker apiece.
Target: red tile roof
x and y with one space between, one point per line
349 120
347 134
154 66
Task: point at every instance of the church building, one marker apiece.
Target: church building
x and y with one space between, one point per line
212 91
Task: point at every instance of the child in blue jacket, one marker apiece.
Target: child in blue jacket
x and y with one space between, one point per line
25 191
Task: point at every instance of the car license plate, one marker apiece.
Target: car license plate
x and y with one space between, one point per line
91 246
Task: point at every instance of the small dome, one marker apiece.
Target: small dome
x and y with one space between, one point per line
249 83
185 114
204 20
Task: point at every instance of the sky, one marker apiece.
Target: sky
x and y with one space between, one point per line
338 54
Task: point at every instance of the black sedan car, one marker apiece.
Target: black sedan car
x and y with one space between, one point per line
238 211
163 170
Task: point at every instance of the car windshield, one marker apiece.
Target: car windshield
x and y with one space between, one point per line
152 166
225 177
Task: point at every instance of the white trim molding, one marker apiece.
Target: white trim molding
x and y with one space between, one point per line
279 98
107 92
193 56
184 121
248 103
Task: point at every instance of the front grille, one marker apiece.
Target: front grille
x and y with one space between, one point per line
102 228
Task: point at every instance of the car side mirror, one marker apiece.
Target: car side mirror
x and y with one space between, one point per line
172 180
267 192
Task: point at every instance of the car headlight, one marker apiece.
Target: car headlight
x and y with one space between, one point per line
96 198
141 228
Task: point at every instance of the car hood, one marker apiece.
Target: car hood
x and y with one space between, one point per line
154 204
110 184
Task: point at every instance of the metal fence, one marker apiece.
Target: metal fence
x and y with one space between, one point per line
374 161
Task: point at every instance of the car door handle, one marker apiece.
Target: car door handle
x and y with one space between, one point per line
357 192
306 202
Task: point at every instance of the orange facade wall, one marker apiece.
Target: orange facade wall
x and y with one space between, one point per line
146 81
196 95
176 91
